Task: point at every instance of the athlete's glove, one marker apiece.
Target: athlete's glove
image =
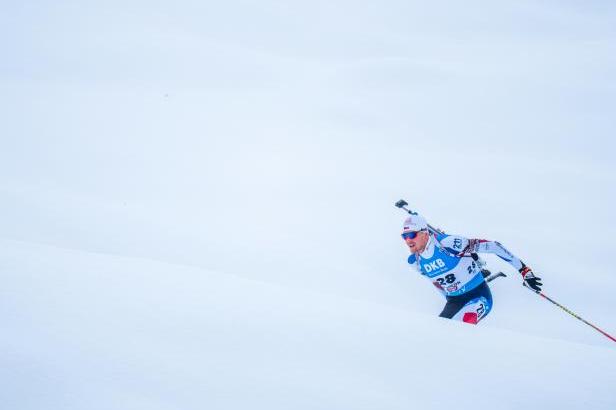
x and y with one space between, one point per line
530 279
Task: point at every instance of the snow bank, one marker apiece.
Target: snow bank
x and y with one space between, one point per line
85 330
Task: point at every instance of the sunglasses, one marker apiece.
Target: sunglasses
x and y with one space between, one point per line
410 235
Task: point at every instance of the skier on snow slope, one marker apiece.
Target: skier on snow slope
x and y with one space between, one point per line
449 261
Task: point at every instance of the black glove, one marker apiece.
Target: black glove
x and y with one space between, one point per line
530 279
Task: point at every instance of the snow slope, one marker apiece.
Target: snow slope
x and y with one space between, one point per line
86 330
196 202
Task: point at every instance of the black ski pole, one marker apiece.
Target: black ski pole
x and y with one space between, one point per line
570 312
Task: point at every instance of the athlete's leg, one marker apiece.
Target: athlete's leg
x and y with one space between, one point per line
470 307
452 307
475 310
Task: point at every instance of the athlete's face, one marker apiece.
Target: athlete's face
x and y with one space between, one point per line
418 243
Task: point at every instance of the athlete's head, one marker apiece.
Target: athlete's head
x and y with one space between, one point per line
415 233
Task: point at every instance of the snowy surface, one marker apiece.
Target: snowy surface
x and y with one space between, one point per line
196 202
93 331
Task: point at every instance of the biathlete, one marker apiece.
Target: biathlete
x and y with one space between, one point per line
450 263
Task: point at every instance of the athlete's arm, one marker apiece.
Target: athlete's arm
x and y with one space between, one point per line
465 247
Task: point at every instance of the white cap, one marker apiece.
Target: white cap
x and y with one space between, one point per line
415 223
